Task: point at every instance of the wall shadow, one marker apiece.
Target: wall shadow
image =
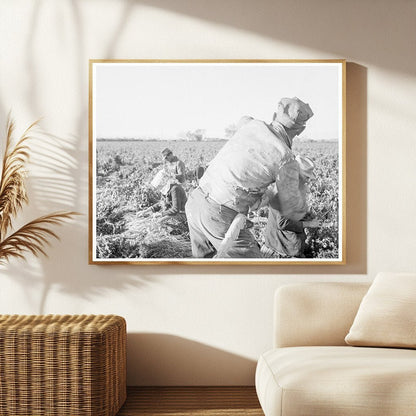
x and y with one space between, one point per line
63 184
356 165
336 28
168 360
59 182
67 276
52 186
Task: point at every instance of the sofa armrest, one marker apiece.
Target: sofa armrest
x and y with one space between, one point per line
315 313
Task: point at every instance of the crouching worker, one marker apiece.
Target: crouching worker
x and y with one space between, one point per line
174 200
286 237
173 197
259 154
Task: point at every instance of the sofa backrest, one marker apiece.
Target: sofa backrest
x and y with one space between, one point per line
315 313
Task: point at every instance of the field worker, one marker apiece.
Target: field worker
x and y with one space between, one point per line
174 166
257 155
285 237
173 197
174 200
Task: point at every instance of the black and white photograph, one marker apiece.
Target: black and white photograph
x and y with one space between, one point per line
217 162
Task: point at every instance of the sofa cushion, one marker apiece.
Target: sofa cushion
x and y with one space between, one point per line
315 313
386 316
342 380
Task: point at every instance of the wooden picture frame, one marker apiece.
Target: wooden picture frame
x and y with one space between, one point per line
146 116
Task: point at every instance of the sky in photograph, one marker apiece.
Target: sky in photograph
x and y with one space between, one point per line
165 101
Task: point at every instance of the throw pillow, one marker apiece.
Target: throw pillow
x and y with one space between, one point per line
386 316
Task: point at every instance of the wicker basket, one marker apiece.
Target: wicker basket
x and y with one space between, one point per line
71 365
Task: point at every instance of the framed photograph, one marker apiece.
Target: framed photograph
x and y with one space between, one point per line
217 162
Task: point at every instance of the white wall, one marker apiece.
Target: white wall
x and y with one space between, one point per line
204 325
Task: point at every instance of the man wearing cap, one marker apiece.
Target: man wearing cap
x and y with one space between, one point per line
173 165
174 194
258 155
284 237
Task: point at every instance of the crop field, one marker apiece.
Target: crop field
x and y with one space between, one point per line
124 170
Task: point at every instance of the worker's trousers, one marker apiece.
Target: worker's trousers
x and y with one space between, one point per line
208 222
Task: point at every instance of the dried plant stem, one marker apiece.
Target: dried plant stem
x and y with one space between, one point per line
34 236
12 181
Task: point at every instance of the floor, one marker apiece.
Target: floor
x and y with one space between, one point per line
187 401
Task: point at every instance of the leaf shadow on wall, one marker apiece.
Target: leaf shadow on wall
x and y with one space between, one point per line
172 360
59 180
52 186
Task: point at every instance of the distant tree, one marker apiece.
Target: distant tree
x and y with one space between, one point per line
195 135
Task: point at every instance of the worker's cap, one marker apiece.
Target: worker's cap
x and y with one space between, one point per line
306 166
166 152
293 113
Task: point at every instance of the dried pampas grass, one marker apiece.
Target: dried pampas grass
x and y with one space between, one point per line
33 236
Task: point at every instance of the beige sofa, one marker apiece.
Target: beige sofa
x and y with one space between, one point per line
312 371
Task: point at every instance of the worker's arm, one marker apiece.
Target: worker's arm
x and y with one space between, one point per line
286 224
180 172
291 203
146 212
